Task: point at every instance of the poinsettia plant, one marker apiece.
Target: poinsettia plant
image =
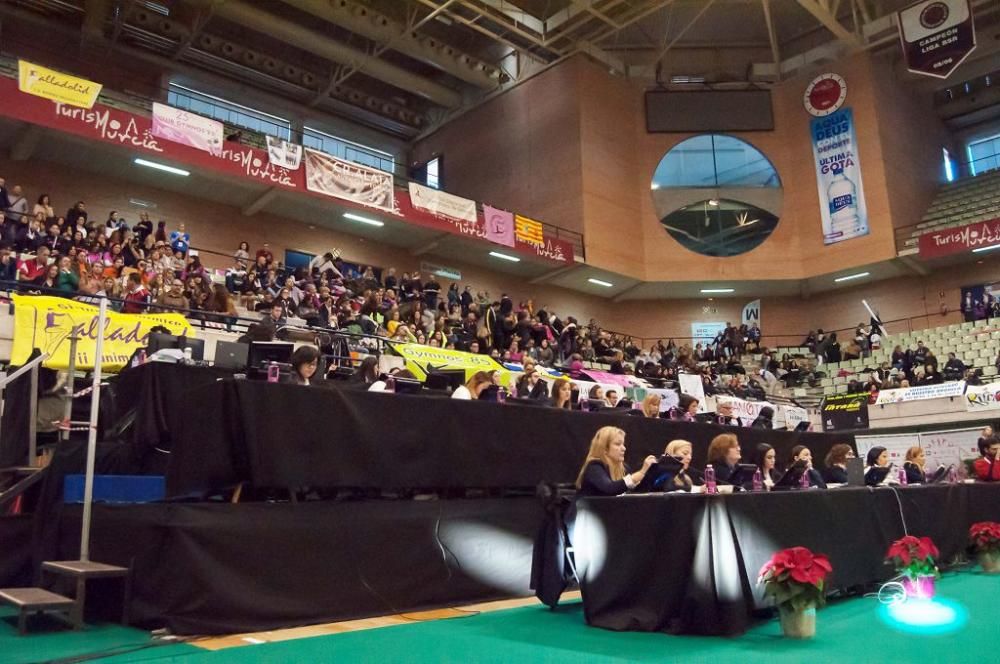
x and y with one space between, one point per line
914 556
796 576
985 536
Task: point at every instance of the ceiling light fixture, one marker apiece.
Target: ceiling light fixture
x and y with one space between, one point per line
851 277
713 202
363 220
161 167
512 259
982 249
599 282
718 290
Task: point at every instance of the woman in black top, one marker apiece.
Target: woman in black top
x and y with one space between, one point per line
723 455
803 455
304 362
836 463
765 420
914 465
765 458
604 472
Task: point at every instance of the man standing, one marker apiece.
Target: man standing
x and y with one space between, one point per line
17 207
180 240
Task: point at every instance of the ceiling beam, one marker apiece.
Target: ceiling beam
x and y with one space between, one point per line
821 13
429 246
552 274
684 30
631 289
772 34
26 142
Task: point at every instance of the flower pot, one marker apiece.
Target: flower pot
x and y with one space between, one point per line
990 561
921 587
796 624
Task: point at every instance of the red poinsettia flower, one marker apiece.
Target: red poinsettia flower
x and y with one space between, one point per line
985 535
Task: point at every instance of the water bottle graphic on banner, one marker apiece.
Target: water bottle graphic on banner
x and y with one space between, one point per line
843 199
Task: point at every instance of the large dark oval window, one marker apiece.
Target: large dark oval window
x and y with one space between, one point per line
717 195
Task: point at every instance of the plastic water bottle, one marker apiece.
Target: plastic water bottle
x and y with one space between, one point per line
953 475
902 477
804 480
273 372
710 486
758 481
843 199
501 395
187 355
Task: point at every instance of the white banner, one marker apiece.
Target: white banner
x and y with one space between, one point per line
940 447
705 332
442 204
792 416
920 392
691 384
284 153
982 397
838 177
325 174
180 126
751 314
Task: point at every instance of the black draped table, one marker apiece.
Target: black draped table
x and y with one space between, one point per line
279 435
683 563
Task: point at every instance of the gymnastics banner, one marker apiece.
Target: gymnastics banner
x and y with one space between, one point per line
422 360
51 84
180 126
980 398
838 177
47 323
325 174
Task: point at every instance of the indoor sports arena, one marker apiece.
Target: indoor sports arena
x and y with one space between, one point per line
719 279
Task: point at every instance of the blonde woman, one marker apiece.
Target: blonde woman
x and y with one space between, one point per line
603 472
678 480
651 405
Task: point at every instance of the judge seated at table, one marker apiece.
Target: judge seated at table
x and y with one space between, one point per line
876 460
802 454
724 456
987 467
604 472
836 463
304 362
765 458
914 465
677 475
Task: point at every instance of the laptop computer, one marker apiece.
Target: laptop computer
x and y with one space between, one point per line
855 472
231 355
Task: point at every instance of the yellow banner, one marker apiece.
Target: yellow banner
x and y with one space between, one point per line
47 323
421 360
528 230
57 86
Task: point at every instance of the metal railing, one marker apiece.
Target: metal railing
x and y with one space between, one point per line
32 368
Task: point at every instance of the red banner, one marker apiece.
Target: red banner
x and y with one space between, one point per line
957 240
112 125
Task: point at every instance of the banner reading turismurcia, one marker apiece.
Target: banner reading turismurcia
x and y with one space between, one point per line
47 323
838 177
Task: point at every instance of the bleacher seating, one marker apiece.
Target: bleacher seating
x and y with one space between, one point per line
966 201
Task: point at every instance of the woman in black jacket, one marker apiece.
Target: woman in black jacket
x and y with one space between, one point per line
836 463
604 472
914 465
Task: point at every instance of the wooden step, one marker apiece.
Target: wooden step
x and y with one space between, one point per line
34 600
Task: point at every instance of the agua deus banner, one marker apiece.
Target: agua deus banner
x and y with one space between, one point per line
838 177
47 323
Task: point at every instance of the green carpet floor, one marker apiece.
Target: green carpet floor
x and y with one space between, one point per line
848 631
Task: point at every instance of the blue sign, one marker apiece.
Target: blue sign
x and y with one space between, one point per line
838 177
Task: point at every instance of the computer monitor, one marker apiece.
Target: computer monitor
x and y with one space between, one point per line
407 386
231 355
160 340
445 380
263 352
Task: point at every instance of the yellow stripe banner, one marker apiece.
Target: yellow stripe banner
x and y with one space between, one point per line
528 230
57 86
47 323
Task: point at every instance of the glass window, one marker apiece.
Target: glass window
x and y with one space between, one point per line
344 149
949 166
717 195
715 160
229 112
434 173
983 155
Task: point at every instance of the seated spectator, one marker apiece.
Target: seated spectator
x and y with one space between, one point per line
611 397
562 394
987 466
474 387
724 414
35 268
304 362
651 405
931 376
8 264
531 386
765 419
604 472
686 410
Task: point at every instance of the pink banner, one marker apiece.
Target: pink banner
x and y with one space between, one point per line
605 377
957 240
179 126
499 225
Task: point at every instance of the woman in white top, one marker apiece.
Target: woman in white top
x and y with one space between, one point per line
44 207
472 389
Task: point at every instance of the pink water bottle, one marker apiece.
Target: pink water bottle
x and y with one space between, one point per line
902 477
710 486
273 372
758 481
804 480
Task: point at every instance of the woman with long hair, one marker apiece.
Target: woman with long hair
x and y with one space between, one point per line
604 472
474 387
562 394
765 458
765 419
803 455
836 463
651 405
914 465
679 479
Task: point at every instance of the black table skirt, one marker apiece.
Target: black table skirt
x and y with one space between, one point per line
278 435
689 563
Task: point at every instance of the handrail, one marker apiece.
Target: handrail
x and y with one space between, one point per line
24 369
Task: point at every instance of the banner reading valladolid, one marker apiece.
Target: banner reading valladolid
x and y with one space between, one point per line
982 397
179 126
328 175
838 177
47 323
422 360
54 85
